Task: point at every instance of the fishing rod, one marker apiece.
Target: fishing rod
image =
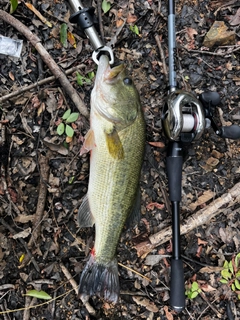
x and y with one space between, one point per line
184 119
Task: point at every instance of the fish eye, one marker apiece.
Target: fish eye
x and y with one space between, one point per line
127 81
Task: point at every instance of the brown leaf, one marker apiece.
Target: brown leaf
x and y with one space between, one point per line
11 76
235 20
149 305
22 234
207 195
169 316
153 205
131 18
24 218
157 144
200 241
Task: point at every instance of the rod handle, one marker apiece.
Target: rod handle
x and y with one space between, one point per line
177 289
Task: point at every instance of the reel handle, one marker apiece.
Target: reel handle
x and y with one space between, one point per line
230 132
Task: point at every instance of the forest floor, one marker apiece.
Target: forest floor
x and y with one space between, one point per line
44 178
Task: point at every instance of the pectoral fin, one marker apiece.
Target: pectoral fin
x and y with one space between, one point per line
89 142
85 217
114 144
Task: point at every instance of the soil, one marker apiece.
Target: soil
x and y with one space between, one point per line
44 177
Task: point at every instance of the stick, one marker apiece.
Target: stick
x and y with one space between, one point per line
158 41
56 71
44 173
199 218
75 288
36 84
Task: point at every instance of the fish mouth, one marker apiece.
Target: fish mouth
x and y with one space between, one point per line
105 72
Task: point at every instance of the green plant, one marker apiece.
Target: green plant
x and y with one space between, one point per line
134 29
106 6
68 117
81 79
192 290
14 5
231 274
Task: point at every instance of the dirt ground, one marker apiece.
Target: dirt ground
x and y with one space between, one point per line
43 176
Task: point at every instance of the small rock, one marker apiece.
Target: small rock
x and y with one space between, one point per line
218 35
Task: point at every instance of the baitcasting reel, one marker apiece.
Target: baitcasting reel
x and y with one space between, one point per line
185 117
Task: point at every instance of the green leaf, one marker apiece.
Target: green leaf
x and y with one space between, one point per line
79 79
134 29
233 287
194 286
237 284
225 265
237 260
230 266
60 128
238 274
66 114
14 5
239 297
63 34
226 274
91 75
71 180
73 117
194 294
69 131
223 281
106 6
38 294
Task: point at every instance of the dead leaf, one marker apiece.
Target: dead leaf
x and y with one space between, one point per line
71 39
149 305
226 234
229 65
11 76
169 316
235 20
38 14
157 144
153 205
131 18
211 269
205 286
23 234
200 241
24 218
207 195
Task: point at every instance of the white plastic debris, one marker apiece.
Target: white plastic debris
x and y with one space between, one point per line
10 47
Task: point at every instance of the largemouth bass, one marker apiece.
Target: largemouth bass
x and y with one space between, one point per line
116 141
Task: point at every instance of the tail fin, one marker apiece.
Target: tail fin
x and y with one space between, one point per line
99 279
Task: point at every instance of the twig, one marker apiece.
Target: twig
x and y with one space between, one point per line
219 54
219 315
199 218
35 41
6 225
158 41
39 83
29 302
44 174
75 288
